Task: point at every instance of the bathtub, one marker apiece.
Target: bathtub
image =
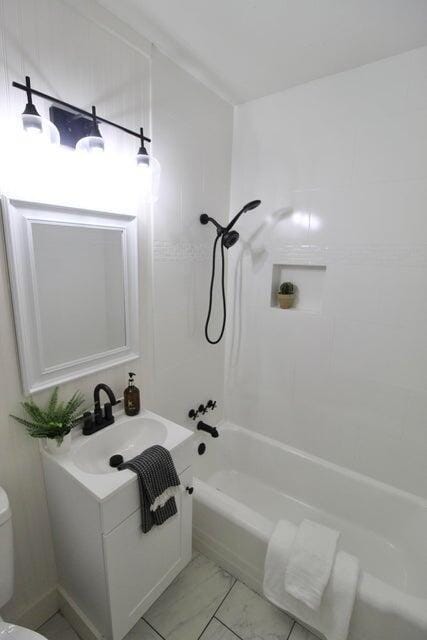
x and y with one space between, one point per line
246 482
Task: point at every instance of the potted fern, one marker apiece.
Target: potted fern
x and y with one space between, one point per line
286 295
52 423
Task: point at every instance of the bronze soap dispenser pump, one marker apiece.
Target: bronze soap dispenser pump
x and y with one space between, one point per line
131 397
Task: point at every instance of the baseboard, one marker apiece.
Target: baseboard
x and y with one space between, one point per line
39 612
76 618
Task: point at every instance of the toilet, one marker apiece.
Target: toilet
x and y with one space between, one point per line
9 631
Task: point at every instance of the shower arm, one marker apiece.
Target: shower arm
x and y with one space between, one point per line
205 219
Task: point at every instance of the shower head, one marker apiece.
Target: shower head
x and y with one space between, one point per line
253 204
229 238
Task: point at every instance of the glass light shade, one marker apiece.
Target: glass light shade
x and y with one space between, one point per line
40 128
143 160
91 144
148 170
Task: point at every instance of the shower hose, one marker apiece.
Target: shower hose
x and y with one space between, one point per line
224 304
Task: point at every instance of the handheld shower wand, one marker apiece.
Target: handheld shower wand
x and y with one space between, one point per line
228 237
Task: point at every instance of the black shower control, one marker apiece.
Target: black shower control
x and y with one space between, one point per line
202 409
201 448
189 490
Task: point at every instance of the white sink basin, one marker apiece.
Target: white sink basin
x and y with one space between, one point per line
132 437
87 461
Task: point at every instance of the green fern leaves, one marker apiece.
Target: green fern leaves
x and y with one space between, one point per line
55 420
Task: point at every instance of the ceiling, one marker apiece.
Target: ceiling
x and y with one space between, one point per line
245 49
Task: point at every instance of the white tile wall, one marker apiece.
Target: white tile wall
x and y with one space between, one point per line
348 155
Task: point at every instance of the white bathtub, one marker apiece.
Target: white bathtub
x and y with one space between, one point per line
246 482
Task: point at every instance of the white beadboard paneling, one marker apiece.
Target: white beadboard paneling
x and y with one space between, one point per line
348 155
72 57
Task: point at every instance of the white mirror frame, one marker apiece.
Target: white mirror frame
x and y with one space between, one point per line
18 216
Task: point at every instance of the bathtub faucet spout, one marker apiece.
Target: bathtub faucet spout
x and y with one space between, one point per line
202 426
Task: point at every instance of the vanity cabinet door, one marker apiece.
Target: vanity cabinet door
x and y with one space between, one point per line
139 566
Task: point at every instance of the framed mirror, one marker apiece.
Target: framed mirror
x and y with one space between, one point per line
74 281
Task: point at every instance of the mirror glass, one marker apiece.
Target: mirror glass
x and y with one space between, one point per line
79 290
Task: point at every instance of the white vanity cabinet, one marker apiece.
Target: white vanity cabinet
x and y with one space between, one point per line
110 572
140 566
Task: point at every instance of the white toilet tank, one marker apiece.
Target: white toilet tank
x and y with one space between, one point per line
6 550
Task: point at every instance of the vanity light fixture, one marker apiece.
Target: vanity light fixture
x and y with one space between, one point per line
79 128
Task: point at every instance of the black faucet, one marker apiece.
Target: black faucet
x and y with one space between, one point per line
100 420
202 426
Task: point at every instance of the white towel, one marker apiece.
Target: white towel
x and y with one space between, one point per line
332 619
310 563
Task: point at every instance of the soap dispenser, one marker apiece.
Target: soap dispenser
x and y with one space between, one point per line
131 397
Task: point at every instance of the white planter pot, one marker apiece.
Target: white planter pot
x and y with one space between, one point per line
52 447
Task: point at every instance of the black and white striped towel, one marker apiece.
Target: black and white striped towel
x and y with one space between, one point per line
158 484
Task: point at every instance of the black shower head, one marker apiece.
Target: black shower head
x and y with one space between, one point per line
253 204
229 238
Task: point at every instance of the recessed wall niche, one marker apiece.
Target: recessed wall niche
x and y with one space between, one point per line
308 281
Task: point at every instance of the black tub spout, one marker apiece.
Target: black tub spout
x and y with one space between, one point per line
202 426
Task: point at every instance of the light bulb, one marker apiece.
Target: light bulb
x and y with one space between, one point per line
91 144
39 129
32 124
148 172
94 142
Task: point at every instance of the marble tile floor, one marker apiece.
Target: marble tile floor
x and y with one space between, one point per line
203 603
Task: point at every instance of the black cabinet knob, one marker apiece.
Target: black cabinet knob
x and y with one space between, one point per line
189 490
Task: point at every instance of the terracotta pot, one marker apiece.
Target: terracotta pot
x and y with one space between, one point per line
51 445
285 300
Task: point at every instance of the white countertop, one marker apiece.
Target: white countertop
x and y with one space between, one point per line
103 484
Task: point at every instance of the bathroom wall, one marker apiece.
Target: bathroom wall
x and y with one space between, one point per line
192 129
70 56
341 167
79 52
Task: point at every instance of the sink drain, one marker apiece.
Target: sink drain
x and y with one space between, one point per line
116 460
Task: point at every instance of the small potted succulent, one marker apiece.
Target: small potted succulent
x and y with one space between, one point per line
286 295
52 423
